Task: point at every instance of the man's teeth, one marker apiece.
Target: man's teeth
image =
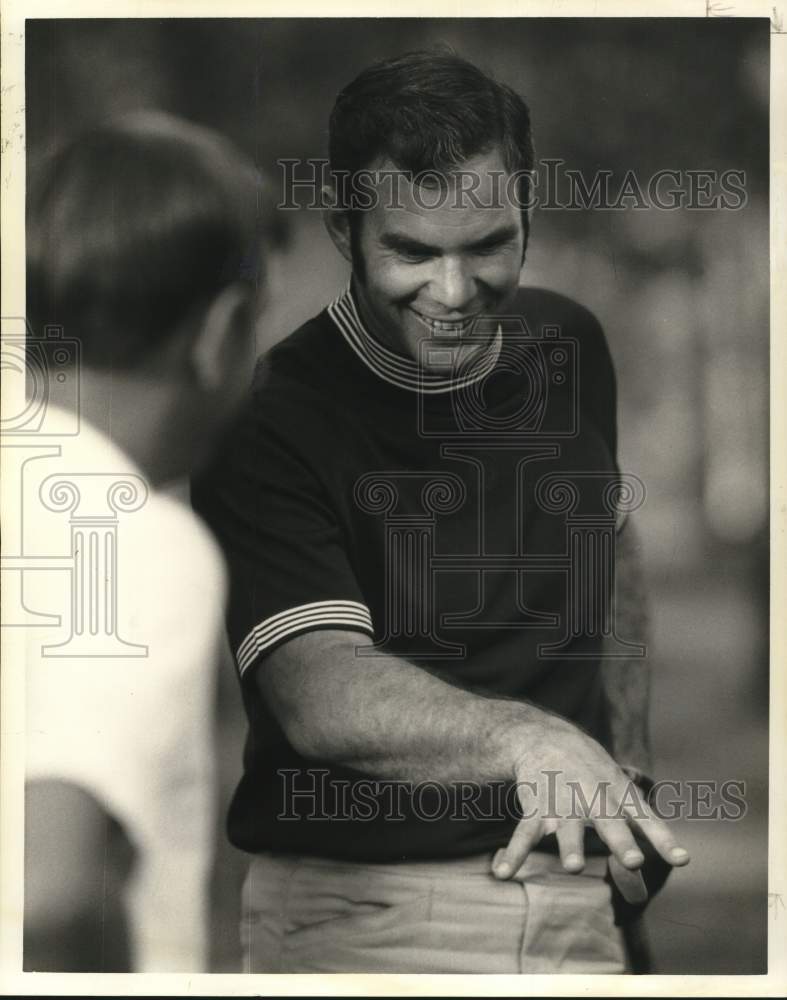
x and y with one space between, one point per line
442 326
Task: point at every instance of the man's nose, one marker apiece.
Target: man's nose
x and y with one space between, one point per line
452 285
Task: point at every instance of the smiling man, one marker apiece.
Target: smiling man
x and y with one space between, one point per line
429 260
437 771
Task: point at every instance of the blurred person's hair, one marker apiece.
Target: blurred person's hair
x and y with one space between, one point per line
135 226
429 111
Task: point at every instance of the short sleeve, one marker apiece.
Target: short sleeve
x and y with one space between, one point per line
275 518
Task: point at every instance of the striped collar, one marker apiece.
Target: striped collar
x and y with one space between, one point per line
397 369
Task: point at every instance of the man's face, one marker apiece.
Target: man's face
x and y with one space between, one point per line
428 272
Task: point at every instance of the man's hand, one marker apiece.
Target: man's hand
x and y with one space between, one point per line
567 781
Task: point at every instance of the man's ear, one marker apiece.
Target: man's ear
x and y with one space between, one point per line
215 342
337 222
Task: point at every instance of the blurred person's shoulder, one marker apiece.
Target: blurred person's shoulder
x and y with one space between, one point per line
173 525
175 554
156 528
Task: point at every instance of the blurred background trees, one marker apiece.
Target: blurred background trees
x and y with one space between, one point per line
683 296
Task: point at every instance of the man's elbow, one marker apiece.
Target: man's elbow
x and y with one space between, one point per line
311 730
308 740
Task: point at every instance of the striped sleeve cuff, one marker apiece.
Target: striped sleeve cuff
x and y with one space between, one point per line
305 618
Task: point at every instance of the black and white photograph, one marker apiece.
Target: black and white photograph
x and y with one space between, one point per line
389 566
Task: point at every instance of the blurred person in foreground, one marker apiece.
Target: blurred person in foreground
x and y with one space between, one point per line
390 704
144 244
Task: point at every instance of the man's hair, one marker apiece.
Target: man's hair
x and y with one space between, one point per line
132 228
429 111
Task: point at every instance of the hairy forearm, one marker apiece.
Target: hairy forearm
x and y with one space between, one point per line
387 717
626 679
396 721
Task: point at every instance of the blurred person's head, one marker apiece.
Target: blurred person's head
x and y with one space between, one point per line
444 242
145 244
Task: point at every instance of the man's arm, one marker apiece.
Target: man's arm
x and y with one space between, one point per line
626 680
387 717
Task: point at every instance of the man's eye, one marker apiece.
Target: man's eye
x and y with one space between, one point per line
493 248
413 256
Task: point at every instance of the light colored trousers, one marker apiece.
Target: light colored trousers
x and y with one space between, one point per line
306 914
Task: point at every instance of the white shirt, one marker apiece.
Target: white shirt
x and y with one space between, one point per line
135 731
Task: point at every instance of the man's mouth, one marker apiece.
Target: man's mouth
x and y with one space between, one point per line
447 328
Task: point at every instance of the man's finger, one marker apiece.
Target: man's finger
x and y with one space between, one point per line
631 884
659 835
511 858
620 841
571 842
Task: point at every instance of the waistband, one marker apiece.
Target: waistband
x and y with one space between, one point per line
536 863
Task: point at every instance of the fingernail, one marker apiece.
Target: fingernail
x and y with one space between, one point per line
501 867
633 858
573 861
679 854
